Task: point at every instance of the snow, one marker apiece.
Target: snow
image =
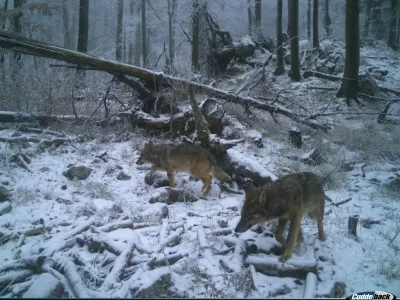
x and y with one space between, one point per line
311 286
42 287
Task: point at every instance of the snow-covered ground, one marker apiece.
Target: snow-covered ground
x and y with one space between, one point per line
103 238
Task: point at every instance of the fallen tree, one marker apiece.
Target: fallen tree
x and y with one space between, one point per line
37 48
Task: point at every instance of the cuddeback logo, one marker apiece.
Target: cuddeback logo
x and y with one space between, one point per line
377 295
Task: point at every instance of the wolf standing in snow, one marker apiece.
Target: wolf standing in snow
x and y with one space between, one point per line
185 157
287 198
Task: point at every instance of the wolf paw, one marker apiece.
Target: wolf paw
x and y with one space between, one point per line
284 257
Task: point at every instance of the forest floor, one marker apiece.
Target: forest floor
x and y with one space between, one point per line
113 235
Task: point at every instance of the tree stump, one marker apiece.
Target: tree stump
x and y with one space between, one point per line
352 225
295 137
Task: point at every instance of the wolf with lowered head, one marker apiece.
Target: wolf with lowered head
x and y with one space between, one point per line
288 199
185 158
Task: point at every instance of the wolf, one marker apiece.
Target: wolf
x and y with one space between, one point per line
287 198
184 157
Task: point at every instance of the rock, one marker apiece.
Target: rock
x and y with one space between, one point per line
4 194
164 212
63 201
117 209
5 182
295 137
159 289
25 145
16 134
156 179
222 223
213 111
80 173
45 286
255 137
44 169
394 184
313 157
338 290
367 85
170 195
64 187
245 47
5 207
123 176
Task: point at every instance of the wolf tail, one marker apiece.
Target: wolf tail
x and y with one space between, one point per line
220 175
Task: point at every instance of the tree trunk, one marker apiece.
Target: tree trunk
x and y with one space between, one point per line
130 36
250 16
309 19
258 13
349 87
144 30
18 6
67 33
294 43
172 6
392 30
377 19
280 67
2 60
195 35
327 19
289 24
367 18
138 40
118 46
315 25
202 131
82 38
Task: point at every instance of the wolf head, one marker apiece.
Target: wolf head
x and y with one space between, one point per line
253 210
144 155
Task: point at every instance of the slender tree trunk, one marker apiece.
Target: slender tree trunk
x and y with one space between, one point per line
82 38
138 39
309 19
367 18
130 36
392 30
377 19
280 67
250 16
2 57
144 30
327 19
289 24
315 25
118 46
172 6
195 35
258 13
294 43
349 87
18 6
67 33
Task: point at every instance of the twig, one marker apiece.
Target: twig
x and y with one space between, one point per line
341 202
321 88
24 163
8 163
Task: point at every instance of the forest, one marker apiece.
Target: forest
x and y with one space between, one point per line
165 148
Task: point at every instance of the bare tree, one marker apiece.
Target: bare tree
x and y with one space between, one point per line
130 47
18 7
309 19
289 5
294 42
195 35
377 19
367 18
67 33
349 86
315 25
118 46
82 37
280 67
144 38
327 19
250 16
392 43
172 7
138 40
3 26
258 13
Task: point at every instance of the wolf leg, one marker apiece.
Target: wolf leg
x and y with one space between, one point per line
206 184
300 236
279 231
293 231
171 177
321 233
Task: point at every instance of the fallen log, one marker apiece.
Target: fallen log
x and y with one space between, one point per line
272 267
37 48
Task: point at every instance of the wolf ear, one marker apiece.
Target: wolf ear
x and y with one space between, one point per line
250 192
148 145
